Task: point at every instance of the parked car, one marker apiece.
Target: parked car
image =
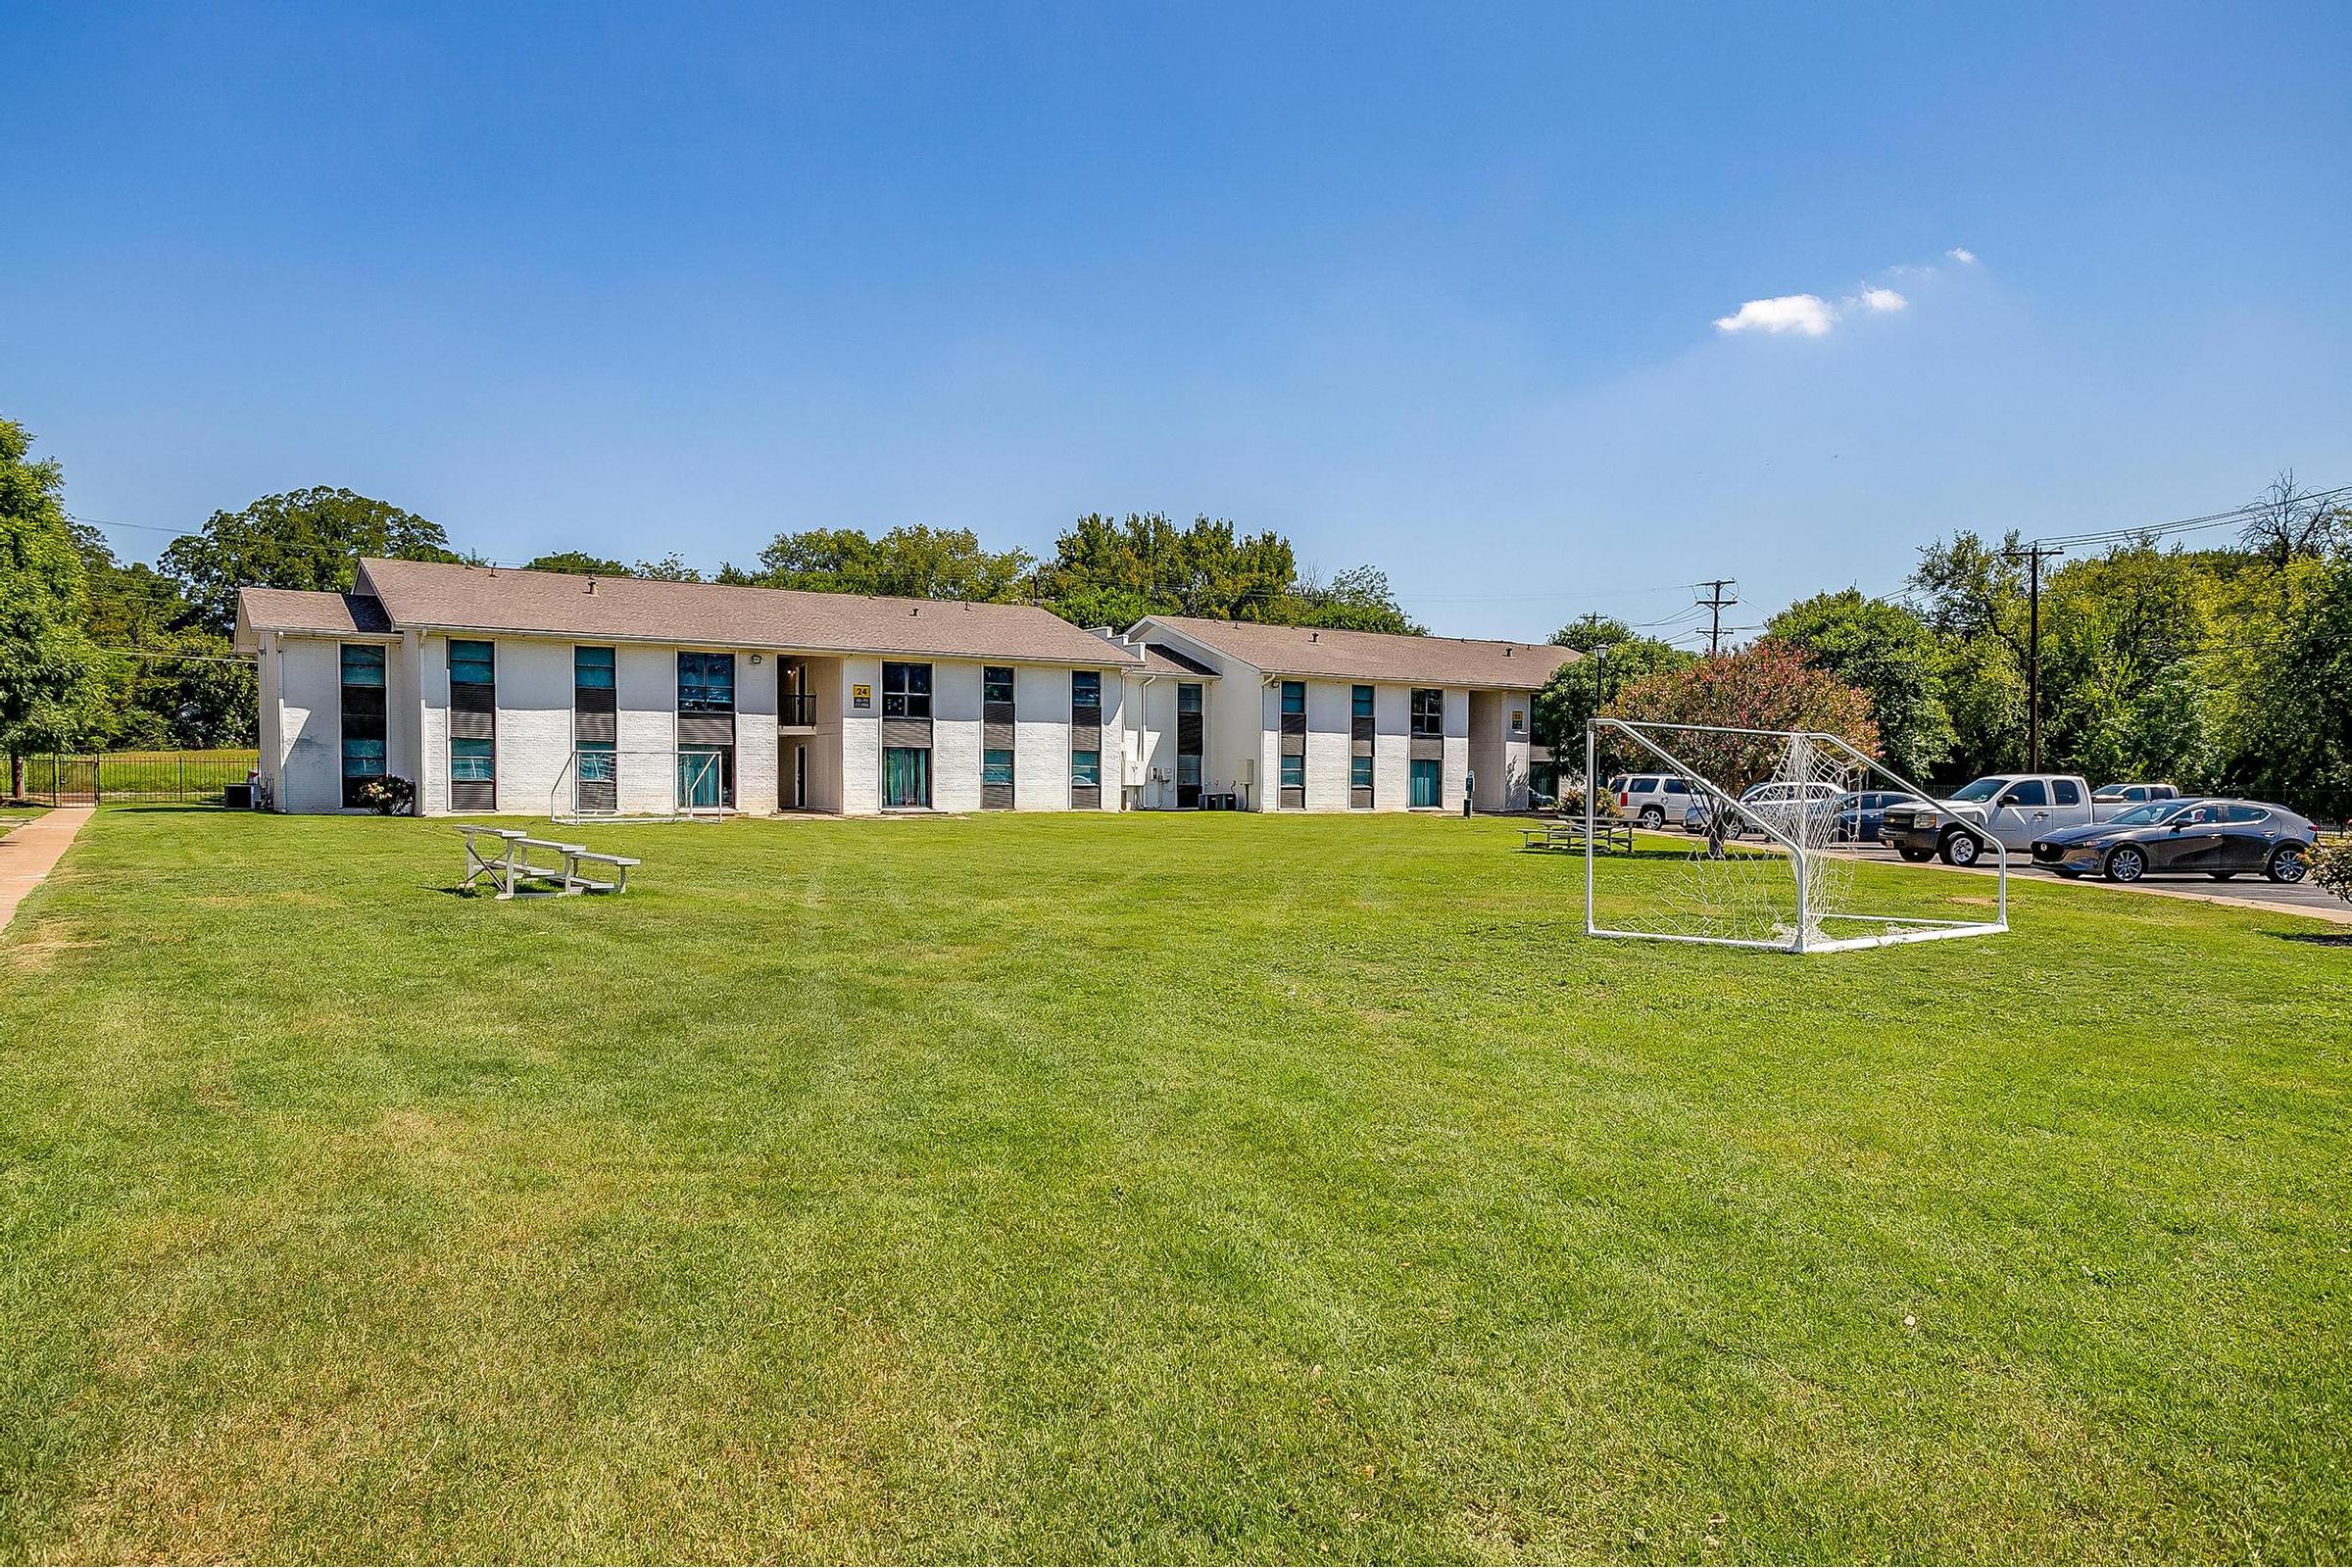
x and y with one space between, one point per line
1862 815
2120 795
1651 800
2220 838
1786 806
2012 809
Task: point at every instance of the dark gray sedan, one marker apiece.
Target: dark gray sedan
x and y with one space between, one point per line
2217 838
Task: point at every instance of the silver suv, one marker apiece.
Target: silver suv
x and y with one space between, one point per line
1652 799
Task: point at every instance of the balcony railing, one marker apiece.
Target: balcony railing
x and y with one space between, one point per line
796 711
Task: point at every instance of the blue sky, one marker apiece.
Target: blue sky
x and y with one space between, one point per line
1434 288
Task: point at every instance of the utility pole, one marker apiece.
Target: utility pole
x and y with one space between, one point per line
2033 555
1715 604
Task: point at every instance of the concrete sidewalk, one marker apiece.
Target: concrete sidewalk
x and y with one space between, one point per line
28 854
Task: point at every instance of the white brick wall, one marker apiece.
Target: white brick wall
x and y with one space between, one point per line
756 734
433 760
1329 708
956 736
1392 741
645 688
860 738
1041 738
311 725
535 721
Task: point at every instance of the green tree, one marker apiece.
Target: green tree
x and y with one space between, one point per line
578 562
672 568
309 539
1765 686
1359 599
51 676
174 683
2299 748
909 562
1615 657
1114 572
1971 595
1887 652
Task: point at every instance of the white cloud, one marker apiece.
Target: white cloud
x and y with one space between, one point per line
1879 299
1804 314
1963 255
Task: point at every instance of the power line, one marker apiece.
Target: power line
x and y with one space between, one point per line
1716 602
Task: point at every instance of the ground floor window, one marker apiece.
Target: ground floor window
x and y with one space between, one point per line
1293 771
469 762
1086 769
362 760
705 776
1359 775
906 775
996 767
597 763
1425 781
1188 770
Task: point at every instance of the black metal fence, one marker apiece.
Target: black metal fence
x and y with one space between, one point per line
196 777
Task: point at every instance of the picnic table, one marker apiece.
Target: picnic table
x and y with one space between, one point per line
499 858
1568 833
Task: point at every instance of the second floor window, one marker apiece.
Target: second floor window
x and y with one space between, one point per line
592 668
906 691
1294 697
1086 689
996 684
363 664
1362 701
472 663
1429 710
706 683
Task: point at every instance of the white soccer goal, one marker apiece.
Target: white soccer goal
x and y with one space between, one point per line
1773 847
646 786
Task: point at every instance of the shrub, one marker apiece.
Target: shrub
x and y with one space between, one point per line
389 796
2332 867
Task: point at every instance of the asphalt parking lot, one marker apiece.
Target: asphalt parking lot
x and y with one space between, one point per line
2248 888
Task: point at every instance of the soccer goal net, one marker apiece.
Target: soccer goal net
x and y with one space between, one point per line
1769 843
645 786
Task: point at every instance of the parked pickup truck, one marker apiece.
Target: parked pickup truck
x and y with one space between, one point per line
2016 809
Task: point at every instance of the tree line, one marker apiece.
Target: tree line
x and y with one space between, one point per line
2221 669
96 653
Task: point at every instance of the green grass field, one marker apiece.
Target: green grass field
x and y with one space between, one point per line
1212 1187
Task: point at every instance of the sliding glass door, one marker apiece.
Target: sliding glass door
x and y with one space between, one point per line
906 776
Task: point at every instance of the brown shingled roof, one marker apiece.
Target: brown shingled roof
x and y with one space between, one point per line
1371 656
495 599
300 610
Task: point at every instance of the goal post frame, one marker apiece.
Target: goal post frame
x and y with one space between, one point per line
1805 940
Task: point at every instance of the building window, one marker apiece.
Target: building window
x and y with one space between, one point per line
706 683
363 759
1424 791
907 691
597 763
1362 701
996 767
1086 688
1188 697
1086 769
592 668
472 663
996 685
1429 711
1359 773
906 771
1293 771
363 664
1188 769
1294 697
469 762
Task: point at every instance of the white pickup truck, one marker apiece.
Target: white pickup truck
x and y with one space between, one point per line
2016 809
